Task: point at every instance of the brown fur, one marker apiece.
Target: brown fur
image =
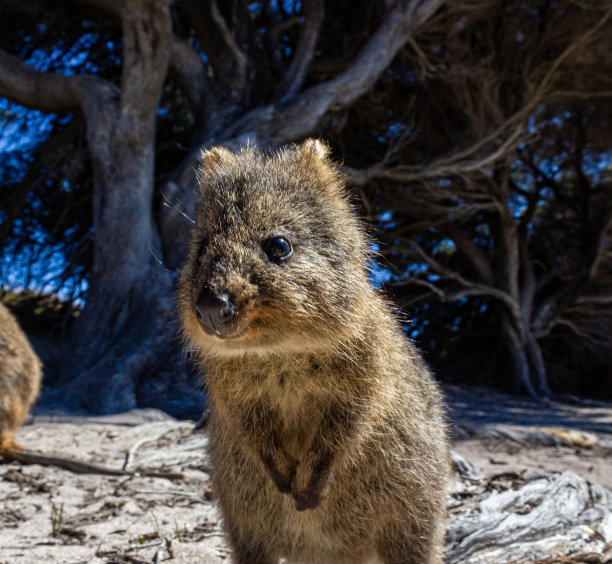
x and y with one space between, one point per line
20 373
327 435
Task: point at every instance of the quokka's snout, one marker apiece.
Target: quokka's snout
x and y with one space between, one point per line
223 301
215 312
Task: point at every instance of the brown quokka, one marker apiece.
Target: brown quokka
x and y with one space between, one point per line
327 436
20 374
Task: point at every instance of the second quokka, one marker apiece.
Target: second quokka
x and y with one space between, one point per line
327 435
20 375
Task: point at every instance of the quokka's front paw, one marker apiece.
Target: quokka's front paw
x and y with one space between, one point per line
282 470
306 499
310 486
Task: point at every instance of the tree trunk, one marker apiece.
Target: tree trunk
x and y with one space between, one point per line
122 332
528 368
515 278
521 373
126 296
536 361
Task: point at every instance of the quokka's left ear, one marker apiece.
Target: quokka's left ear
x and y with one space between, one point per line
213 158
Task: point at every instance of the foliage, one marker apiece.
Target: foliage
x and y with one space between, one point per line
39 314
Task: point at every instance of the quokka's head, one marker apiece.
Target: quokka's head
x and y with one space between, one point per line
277 259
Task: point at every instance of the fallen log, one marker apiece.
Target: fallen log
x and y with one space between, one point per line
512 518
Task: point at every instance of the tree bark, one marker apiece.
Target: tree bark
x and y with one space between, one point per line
127 282
536 361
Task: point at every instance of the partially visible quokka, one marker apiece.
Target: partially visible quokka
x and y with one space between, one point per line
20 374
327 435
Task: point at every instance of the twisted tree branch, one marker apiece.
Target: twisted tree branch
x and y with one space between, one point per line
275 125
293 80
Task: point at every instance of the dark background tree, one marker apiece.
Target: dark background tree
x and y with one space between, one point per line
473 132
500 187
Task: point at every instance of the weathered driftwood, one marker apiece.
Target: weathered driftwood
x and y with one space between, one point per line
535 435
507 518
464 467
158 430
162 429
555 517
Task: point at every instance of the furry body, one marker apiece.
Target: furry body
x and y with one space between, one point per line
327 436
20 374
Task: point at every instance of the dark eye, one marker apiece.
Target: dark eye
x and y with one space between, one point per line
277 248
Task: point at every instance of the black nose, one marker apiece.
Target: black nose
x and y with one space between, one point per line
214 311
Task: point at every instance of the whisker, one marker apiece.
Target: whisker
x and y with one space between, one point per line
169 204
161 262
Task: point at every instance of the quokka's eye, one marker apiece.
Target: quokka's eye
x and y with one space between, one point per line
277 248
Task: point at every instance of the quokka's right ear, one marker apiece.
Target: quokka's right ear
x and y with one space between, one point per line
317 148
215 157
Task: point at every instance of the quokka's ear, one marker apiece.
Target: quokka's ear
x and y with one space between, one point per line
316 153
215 157
316 147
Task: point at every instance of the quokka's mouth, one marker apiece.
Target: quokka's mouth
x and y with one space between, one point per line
221 331
235 335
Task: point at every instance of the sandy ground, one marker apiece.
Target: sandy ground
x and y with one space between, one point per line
53 515
493 457
476 407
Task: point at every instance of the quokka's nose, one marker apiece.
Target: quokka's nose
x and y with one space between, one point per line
214 310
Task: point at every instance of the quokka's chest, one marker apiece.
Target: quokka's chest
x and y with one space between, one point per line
297 402
292 397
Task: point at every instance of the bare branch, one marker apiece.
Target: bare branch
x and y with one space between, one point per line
467 160
51 92
580 42
470 250
490 147
470 288
146 51
478 290
275 125
437 266
414 281
185 65
229 62
595 300
189 71
584 336
293 80
361 176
